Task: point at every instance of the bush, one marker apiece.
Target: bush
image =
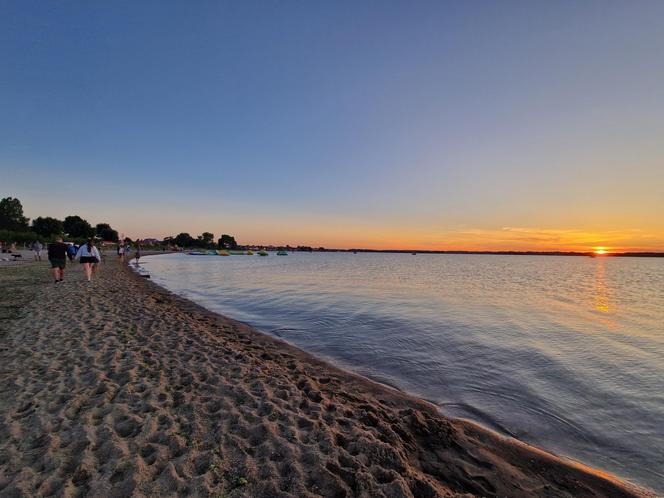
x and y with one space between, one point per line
11 236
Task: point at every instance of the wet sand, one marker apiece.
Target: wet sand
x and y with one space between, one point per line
119 388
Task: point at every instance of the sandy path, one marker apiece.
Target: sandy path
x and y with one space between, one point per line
119 388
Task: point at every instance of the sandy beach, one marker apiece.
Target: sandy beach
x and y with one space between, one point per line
119 388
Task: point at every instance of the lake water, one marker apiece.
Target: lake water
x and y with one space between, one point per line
566 353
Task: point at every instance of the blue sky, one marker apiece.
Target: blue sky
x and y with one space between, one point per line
374 124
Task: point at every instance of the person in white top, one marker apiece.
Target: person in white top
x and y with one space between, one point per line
37 249
88 255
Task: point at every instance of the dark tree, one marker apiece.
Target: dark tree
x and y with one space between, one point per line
11 215
227 242
105 231
75 226
206 239
184 240
47 226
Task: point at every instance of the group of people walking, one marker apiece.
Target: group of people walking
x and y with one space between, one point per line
58 252
88 255
124 249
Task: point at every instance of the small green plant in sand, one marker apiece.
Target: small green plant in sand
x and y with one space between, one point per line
216 464
214 468
272 416
235 478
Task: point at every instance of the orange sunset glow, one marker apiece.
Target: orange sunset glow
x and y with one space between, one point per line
361 249
551 149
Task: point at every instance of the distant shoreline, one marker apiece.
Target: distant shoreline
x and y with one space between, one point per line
512 253
592 254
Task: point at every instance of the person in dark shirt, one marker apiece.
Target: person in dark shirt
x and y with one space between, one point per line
57 255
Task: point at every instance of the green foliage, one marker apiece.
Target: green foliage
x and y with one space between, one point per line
206 239
184 240
11 215
227 242
14 229
18 237
47 226
105 231
75 226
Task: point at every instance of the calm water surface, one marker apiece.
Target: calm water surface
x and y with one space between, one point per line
566 353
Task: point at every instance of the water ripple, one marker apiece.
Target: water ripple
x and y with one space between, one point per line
564 353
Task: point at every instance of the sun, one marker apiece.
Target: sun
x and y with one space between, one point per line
600 251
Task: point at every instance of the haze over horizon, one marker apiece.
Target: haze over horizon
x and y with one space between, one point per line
434 125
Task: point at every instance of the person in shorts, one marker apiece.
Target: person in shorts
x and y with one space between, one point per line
57 255
37 249
89 256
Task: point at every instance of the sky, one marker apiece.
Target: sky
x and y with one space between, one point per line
530 125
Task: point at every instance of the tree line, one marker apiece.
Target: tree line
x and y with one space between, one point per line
15 227
205 240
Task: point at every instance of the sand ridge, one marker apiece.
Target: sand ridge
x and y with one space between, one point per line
119 388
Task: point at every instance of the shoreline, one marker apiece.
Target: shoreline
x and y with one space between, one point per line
159 395
476 425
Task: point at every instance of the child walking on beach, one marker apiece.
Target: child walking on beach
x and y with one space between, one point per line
88 255
37 249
